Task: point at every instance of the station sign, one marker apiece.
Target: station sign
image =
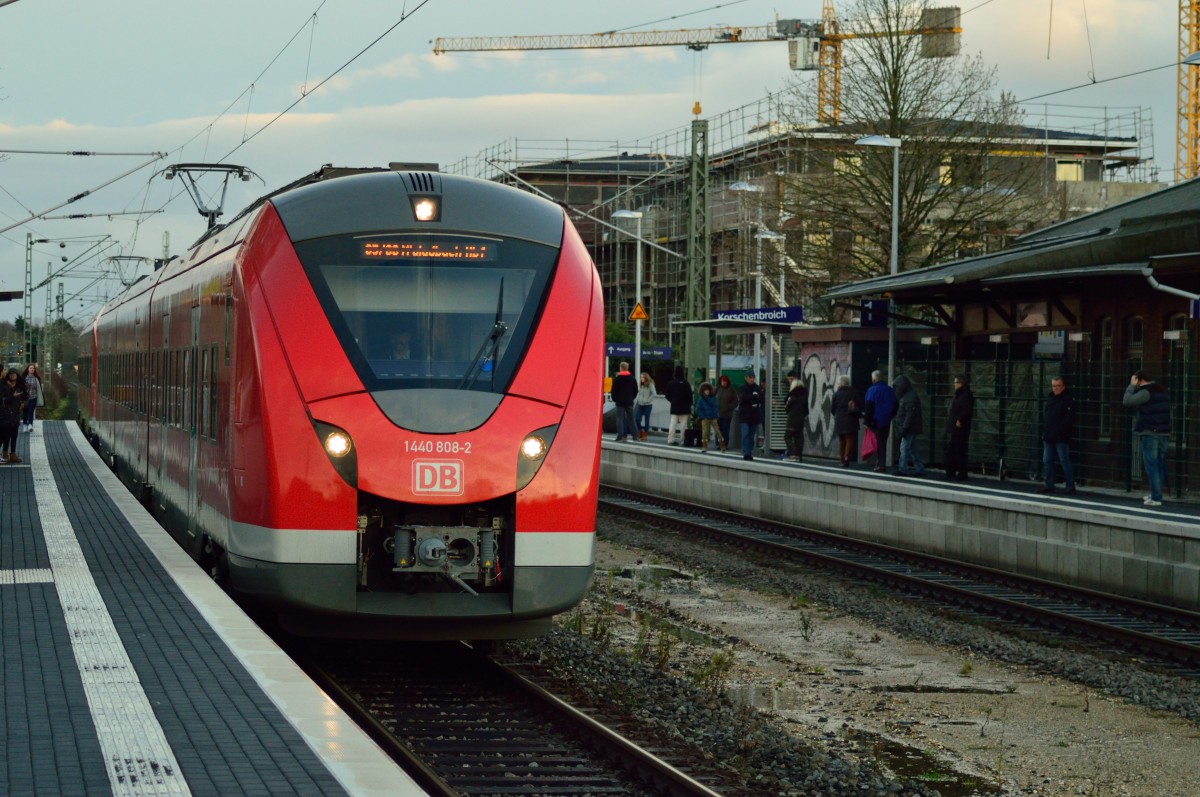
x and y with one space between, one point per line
767 315
626 350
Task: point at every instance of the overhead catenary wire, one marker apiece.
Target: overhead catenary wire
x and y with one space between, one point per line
79 196
405 15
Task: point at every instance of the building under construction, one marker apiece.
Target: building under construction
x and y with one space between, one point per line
716 229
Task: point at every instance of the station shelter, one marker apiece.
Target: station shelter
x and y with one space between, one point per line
1093 299
778 356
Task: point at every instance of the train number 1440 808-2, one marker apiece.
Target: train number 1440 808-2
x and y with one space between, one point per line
437 446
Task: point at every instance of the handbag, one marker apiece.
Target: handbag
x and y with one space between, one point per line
870 443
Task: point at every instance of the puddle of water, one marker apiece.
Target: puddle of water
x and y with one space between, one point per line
655 574
923 689
909 762
768 697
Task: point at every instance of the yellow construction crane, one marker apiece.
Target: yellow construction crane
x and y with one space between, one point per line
1187 123
811 44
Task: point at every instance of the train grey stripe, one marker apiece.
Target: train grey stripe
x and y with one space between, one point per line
139 759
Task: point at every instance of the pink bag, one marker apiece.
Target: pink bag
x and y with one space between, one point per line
870 443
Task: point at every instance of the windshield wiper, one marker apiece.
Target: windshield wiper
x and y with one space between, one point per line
481 363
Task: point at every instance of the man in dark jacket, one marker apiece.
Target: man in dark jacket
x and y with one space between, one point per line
1153 427
1057 421
909 423
750 404
958 423
624 391
679 394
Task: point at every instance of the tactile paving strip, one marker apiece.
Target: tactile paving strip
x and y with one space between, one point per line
138 757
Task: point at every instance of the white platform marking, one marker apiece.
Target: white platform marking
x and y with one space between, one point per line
139 759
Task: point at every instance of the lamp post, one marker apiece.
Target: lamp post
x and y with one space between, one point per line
893 258
637 288
741 186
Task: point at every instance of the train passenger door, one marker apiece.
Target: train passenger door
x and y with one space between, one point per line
191 367
163 388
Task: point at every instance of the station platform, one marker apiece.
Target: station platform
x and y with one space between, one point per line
1102 540
125 670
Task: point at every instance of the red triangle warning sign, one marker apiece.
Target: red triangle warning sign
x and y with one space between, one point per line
639 313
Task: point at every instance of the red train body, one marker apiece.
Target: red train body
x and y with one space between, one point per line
371 402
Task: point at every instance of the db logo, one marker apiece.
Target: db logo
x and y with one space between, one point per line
440 476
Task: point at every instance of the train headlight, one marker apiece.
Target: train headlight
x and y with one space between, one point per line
426 208
339 447
337 444
533 447
532 453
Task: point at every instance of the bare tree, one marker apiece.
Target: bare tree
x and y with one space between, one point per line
969 179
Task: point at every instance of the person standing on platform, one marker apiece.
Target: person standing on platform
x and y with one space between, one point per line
643 404
909 423
727 402
796 408
679 393
12 405
878 413
33 395
706 411
846 410
750 404
1152 427
624 391
1057 422
958 427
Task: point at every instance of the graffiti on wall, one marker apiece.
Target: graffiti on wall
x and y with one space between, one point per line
823 364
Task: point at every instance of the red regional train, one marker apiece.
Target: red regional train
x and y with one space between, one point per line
370 402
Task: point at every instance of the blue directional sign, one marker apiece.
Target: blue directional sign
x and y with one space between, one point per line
874 313
1195 308
626 350
767 315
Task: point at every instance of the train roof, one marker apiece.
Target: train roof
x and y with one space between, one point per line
523 216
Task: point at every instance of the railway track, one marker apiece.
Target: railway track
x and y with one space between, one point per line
1154 633
464 724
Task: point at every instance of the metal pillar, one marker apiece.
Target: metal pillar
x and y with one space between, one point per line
699 283
28 331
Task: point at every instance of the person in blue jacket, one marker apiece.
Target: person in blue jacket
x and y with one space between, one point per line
706 411
878 413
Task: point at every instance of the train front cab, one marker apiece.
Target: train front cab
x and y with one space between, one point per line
442 519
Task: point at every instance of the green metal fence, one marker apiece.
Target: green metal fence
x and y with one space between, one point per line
1009 401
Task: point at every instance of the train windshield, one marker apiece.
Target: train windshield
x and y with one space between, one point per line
431 311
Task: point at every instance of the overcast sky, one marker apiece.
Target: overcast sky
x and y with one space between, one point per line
145 76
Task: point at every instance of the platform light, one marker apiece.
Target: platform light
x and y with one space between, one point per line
338 444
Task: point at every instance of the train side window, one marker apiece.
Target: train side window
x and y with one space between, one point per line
214 404
202 431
